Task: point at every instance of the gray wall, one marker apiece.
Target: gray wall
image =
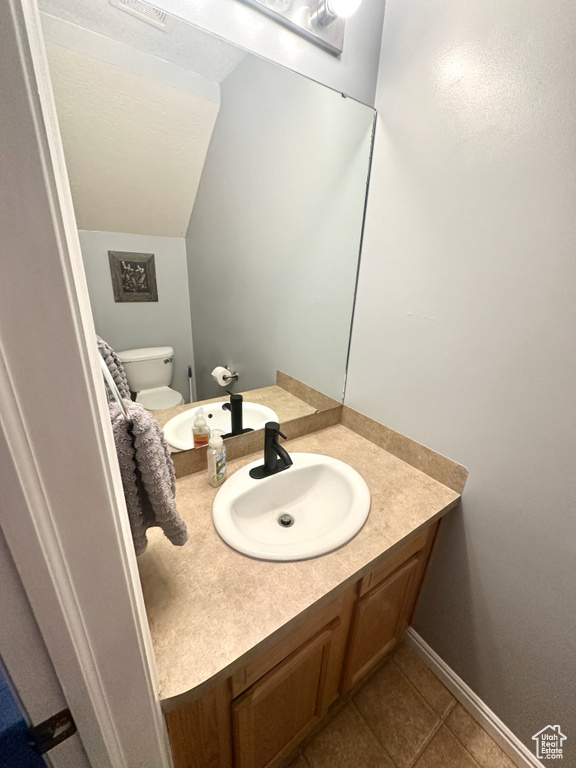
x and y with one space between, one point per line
466 316
354 72
275 231
142 324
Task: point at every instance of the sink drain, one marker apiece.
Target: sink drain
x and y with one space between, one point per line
285 521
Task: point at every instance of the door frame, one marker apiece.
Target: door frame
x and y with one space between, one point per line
63 512
22 647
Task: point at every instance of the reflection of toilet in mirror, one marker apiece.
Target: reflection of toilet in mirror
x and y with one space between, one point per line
149 373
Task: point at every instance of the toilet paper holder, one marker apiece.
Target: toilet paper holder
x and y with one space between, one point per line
224 376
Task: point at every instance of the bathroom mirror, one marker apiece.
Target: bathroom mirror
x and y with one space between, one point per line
227 189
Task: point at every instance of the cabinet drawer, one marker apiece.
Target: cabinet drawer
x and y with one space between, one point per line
394 561
272 717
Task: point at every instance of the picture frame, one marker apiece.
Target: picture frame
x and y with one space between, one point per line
133 276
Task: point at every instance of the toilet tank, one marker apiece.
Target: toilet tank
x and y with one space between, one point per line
147 367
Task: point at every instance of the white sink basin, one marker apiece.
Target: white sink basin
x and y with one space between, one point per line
327 501
178 431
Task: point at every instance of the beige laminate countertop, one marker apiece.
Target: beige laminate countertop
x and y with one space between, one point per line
208 605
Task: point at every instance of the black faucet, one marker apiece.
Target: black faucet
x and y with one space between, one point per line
276 458
235 408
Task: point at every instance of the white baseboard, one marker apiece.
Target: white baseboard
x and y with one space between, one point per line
502 735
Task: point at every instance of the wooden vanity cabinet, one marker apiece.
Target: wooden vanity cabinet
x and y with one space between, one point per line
380 618
200 732
273 716
257 717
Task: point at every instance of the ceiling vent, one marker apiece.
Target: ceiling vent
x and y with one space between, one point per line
143 11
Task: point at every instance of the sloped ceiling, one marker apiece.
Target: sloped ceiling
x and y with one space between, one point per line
135 146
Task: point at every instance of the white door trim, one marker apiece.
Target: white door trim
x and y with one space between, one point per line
63 512
502 735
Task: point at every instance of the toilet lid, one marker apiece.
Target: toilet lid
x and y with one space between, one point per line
159 397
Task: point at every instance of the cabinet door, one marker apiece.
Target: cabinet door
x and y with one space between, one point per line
380 617
201 732
281 708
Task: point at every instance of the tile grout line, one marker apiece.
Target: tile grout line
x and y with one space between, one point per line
429 738
298 756
419 692
457 738
442 719
442 722
420 696
378 742
438 725
434 730
345 700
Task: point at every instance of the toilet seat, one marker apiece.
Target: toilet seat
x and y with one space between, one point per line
159 397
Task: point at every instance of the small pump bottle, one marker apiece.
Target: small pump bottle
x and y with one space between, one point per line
216 459
200 430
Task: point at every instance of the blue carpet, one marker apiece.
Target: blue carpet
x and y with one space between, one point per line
14 750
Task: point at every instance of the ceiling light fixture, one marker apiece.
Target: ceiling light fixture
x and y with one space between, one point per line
320 21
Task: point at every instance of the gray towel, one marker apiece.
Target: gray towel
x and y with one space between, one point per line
115 367
147 475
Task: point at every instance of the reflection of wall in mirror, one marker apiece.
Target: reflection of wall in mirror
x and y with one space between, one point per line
135 133
130 325
274 234
274 237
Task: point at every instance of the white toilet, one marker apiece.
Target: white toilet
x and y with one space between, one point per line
149 372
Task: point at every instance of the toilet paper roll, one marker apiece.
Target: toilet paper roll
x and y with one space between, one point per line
222 376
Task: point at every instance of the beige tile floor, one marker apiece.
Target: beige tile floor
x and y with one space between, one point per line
403 717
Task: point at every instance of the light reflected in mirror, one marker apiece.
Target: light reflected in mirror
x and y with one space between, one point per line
219 199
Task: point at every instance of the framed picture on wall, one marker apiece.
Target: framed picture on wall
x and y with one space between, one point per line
133 276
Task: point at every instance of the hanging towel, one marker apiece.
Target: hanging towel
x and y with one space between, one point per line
147 475
115 367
